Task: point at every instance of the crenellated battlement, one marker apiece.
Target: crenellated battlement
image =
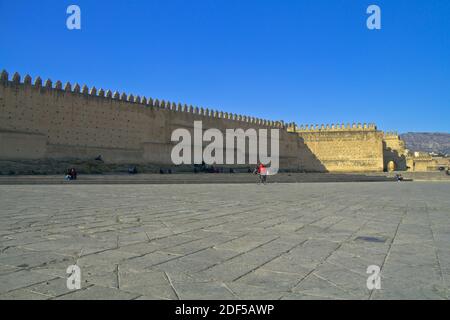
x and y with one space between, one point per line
332 127
143 101
391 135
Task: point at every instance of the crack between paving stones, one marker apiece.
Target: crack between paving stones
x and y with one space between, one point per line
238 255
171 285
179 256
261 265
441 273
390 246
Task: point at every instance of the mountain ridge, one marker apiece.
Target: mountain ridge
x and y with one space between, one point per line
438 142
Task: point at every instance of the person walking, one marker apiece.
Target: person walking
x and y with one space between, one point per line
262 172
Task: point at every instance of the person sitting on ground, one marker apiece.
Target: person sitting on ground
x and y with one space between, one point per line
73 174
132 170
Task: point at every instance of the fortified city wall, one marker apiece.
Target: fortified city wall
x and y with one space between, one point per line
345 148
46 120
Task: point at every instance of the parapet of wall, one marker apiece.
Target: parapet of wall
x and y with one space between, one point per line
331 127
393 142
345 148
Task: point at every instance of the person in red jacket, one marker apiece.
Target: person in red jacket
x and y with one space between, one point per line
262 172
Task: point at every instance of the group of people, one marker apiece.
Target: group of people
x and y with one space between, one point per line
260 170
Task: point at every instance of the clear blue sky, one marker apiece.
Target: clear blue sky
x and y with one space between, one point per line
308 61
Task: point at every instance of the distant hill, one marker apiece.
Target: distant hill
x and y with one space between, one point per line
427 141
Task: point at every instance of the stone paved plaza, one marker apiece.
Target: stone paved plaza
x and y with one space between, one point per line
231 241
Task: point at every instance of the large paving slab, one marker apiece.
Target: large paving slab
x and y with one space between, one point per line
226 241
